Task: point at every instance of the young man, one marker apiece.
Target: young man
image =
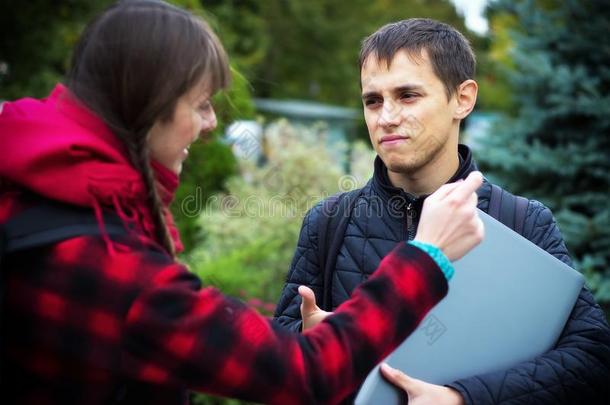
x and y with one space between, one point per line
417 85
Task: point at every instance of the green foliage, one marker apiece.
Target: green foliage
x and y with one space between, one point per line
204 173
557 148
494 62
309 49
36 38
251 232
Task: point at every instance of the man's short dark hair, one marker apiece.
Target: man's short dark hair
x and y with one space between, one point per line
449 51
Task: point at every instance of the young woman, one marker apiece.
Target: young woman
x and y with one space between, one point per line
116 318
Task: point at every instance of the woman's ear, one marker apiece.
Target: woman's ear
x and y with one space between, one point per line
466 97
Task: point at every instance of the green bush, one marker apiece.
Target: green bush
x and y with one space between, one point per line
250 232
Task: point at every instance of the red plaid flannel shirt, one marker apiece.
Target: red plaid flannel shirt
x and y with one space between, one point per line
86 327
89 324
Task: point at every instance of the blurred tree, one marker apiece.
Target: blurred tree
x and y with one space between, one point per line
35 41
494 62
557 147
309 49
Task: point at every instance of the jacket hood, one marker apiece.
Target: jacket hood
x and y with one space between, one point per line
57 148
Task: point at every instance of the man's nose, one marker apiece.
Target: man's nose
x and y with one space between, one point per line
390 115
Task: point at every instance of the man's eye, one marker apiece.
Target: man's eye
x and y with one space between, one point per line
205 105
408 96
369 102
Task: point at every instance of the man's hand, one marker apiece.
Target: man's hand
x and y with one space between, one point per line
420 392
310 312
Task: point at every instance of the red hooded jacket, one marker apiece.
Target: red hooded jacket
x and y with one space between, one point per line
95 319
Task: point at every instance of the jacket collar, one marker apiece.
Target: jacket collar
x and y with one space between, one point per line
382 185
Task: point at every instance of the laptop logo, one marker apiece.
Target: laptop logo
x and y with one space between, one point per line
433 329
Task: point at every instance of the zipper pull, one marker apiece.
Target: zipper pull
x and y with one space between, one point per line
409 220
410 211
411 214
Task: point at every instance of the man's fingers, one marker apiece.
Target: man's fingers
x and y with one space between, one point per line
309 300
398 378
467 187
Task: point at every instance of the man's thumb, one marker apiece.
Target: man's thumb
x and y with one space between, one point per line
399 378
309 300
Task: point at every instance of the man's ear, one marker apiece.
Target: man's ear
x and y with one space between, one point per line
466 97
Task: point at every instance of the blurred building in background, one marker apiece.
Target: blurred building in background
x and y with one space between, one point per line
336 126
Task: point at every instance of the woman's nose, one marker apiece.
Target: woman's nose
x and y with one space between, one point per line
209 121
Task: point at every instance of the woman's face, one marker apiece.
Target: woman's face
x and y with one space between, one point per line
194 116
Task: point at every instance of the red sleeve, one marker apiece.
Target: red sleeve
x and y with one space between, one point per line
178 334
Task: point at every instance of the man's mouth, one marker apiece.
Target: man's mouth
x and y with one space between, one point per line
392 139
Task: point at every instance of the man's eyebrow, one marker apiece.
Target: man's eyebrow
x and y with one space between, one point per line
399 89
369 94
407 87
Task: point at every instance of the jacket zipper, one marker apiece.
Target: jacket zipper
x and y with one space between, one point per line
411 214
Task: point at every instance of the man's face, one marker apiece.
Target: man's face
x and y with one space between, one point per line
410 121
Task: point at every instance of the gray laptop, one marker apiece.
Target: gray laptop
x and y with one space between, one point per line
507 303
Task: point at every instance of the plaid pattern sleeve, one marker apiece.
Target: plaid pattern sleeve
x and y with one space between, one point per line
86 327
181 335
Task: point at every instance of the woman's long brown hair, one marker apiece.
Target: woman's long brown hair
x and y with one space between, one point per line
131 65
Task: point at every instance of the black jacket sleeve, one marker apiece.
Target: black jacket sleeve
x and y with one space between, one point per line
576 370
303 270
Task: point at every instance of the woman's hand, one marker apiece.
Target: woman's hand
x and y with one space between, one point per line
449 219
